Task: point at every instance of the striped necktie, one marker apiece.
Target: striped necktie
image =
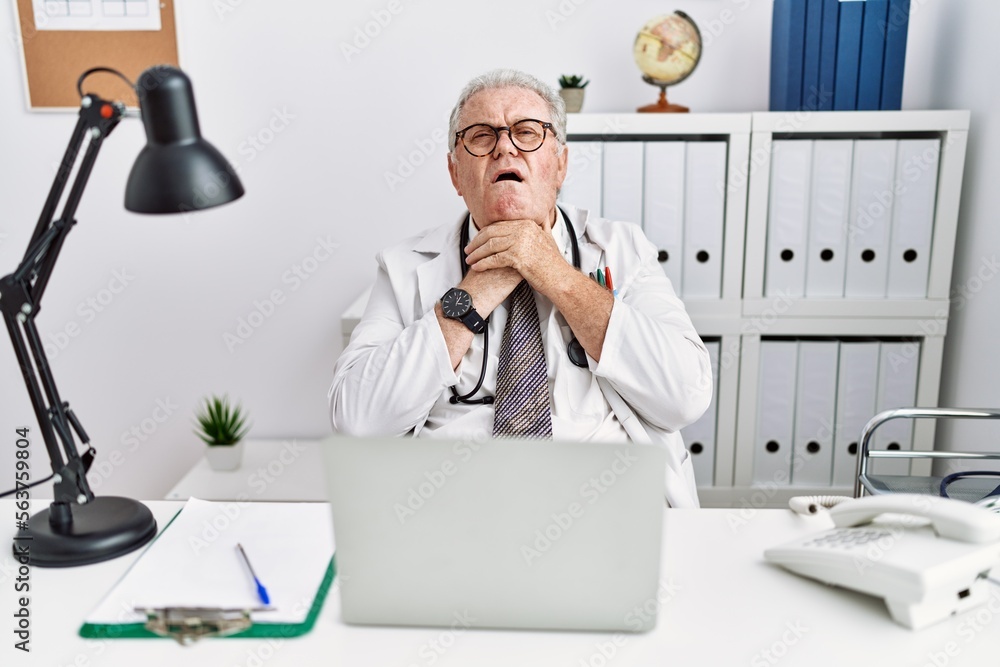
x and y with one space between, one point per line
522 400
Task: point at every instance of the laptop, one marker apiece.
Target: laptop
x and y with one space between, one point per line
497 534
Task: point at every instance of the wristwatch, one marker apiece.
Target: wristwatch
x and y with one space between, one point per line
456 304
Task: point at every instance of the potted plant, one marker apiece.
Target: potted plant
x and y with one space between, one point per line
222 426
571 90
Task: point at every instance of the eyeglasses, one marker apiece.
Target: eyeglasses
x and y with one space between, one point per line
480 139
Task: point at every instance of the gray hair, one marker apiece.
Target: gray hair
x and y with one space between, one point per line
511 78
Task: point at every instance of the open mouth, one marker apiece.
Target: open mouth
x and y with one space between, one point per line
507 176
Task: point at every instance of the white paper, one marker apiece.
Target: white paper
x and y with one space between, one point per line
96 14
195 562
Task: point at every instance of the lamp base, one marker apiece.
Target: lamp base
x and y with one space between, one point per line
104 528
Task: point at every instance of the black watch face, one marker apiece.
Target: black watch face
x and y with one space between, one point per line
456 304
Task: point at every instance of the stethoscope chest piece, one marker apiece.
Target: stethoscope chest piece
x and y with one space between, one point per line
576 353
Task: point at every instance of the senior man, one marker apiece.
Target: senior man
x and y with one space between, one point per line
565 357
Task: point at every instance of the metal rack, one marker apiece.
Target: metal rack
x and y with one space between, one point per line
881 484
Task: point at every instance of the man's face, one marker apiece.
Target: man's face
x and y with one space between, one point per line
531 193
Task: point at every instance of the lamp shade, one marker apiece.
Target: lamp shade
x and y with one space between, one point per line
177 171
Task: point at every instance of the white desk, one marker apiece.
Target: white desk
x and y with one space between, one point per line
272 470
727 607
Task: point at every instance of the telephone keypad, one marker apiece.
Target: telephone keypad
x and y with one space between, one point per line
848 537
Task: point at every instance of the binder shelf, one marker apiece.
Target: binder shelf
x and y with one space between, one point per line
837 235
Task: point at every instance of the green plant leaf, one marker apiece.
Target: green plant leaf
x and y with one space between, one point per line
572 81
219 422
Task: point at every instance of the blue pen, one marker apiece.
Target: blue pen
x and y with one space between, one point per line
261 591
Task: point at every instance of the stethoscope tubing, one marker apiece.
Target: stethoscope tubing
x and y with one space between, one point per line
573 349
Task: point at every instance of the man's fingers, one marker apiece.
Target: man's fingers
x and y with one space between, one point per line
504 228
495 261
485 236
491 246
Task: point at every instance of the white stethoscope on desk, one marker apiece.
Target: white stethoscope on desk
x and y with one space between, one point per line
576 353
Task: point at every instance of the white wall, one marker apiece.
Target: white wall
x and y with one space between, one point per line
336 123
965 79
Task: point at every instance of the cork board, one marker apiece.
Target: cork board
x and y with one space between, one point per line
55 59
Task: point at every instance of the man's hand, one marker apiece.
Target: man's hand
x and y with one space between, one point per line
530 249
488 290
521 245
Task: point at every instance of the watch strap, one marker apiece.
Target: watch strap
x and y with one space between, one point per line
474 321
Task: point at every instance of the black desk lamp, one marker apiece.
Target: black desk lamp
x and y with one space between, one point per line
176 172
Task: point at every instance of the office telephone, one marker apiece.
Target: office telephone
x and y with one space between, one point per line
926 556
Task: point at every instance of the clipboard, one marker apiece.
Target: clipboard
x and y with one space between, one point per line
192 564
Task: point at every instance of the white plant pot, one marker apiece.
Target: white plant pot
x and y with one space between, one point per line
573 98
225 457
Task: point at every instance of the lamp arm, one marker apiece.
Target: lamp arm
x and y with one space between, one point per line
44 259
21 293
71 481
79 528
59 182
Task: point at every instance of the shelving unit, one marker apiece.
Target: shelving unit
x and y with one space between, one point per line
743 316
922 320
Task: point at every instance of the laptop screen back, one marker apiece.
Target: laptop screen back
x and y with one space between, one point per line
503 534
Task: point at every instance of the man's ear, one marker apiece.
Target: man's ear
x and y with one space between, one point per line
453 172
563 165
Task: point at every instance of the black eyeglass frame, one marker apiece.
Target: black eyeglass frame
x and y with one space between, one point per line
460 136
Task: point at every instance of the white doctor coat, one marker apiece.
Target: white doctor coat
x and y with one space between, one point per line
654 369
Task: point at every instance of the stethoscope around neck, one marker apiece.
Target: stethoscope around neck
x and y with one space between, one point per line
576 353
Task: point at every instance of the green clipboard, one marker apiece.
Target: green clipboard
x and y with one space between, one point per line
256 630
191 624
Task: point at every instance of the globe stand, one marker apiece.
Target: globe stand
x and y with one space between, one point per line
661 106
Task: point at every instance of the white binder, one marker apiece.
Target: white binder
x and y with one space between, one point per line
700 436
897 388
872 194
663 205
913 217
788 218
775 412
582 186
829 205
857 388
623 181
815 400
704 218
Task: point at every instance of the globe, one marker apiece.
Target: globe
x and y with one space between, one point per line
667 50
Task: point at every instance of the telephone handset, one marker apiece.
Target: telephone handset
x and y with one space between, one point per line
926 556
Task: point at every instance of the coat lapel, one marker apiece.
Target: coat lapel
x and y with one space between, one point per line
442 270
